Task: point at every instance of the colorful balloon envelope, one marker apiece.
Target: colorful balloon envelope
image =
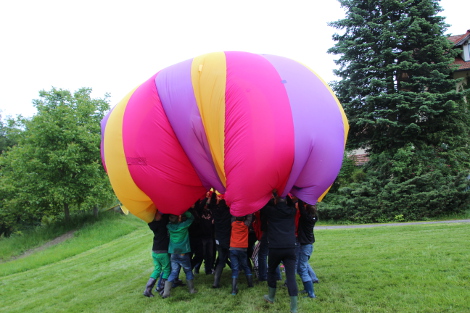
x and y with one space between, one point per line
241 123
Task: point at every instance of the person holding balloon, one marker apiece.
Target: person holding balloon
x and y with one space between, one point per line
238 250
282 245
180 249
160 256
306 238
222 233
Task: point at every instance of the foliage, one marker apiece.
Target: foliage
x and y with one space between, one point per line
396 85
429 195
10 130
404 108
56 165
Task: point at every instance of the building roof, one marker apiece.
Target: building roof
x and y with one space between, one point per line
463 66
459 40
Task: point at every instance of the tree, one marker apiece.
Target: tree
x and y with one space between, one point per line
10 130
396 85
56 165
402 104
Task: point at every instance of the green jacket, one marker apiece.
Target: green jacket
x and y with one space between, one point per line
179 235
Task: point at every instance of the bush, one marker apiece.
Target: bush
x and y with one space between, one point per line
430 195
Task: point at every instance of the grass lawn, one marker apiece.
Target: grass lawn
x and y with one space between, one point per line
104 268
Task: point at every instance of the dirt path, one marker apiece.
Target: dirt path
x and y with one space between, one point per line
51 243
390 224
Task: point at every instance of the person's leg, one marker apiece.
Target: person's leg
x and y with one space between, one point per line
274 258
246 268
249 252
186 265
289 264
263 258
303 269
197 254
302 263
235 270
175 269
153 277
222 257
208 253
311 272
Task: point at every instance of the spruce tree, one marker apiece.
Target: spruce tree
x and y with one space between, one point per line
395 70
403 106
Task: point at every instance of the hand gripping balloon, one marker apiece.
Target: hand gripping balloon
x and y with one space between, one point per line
241 123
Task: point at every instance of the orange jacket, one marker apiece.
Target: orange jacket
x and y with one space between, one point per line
239 236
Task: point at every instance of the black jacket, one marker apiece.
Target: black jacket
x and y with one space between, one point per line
161 239
306 224
281 226
222 224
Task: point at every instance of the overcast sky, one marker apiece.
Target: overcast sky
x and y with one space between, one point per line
113 46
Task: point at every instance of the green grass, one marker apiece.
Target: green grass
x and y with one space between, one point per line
104 268
35 237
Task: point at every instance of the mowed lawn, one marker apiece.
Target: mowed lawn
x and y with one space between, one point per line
104 268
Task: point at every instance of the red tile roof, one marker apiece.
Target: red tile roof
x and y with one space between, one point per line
463 66
458 40
360 159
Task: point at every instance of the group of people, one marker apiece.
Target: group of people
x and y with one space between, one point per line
281 233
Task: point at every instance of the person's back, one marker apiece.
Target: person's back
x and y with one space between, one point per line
160 234
238 250
239 234
306 224
179 235
160 257
282 245
281 225
179 248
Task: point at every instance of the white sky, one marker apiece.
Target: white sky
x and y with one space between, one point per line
115 45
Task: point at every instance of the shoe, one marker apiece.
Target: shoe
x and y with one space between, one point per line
167 289
249 280
217 275
293 304
160 286
270 296
191 286
148 288
234 285
308 285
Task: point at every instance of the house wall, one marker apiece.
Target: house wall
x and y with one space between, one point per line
462 74
466 51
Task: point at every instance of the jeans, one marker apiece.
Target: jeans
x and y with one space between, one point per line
304 269
239 261
179 261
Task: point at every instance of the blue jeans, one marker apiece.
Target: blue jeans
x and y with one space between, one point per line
304 269
179 261
239 261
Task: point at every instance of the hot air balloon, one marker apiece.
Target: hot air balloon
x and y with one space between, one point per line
244 124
